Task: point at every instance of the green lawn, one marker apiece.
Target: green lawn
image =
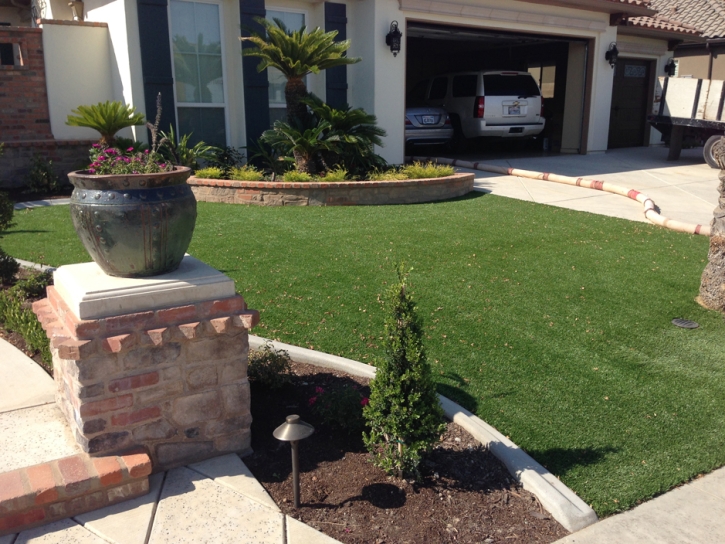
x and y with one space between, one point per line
550 324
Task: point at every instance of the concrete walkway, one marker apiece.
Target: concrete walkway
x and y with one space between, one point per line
685 190
215 501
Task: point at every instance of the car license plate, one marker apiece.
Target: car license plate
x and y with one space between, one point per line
514 110
428 120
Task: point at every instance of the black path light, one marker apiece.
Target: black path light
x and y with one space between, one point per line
293 430
612 54
393 38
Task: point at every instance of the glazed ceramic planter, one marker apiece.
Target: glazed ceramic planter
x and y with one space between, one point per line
134 225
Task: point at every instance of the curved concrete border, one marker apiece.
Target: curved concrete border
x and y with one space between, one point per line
41 203
343 193
650 208
560 501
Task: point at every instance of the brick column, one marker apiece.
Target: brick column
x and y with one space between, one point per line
171 378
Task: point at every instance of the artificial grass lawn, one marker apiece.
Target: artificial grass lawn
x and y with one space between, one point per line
550 324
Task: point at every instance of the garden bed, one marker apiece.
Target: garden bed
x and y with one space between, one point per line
465 494
343 193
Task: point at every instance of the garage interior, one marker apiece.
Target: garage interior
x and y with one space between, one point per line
558 64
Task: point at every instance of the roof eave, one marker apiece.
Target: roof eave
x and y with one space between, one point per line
601 6
659 33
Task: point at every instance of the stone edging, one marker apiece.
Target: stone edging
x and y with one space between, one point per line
344 193
70 486
560 501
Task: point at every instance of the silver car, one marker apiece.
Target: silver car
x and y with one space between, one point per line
426 125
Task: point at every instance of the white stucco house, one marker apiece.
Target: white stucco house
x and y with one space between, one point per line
189 51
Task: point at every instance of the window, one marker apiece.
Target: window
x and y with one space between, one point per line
510 85
438 88
277 81
198 72
464 86
417 95
545 75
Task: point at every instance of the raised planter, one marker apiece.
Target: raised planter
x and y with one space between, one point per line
346 193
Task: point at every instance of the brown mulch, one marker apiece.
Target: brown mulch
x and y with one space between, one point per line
465 494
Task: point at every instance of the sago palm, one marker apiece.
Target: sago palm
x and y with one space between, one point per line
107 118
306 145
296 54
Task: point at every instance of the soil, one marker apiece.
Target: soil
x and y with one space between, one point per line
465 494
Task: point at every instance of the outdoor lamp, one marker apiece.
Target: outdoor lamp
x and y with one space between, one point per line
612 54
293 430
671 67
392 39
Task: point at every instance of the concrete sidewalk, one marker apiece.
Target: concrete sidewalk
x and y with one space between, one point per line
685 190
215 501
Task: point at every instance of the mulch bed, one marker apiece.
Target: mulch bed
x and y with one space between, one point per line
465 494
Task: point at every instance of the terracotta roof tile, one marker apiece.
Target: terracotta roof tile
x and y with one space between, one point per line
708 16
661 23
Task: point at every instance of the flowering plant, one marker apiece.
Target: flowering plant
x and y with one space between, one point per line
341 407
111 160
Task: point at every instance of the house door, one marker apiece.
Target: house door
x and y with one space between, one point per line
628 117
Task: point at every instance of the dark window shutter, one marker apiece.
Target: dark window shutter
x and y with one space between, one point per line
336 78
256 94
153 27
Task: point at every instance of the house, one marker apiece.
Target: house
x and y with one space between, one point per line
189 51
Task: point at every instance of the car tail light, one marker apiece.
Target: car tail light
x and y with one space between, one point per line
408 122
447 121
479 107
541 111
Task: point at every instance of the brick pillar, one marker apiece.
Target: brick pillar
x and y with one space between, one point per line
166 376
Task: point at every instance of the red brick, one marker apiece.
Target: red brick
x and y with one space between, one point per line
75 475
191 330
221 324
133 382
138 464
159 336
118 343
228 305
107 405
172 316
21 520
75 349
109 470
13 492
129 418
129 322
42 483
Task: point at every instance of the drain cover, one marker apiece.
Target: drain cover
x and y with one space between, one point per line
685 323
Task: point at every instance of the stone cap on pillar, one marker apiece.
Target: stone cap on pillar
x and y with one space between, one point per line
92 294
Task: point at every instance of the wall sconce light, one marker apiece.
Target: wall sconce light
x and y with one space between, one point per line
612 54
393 38
671 67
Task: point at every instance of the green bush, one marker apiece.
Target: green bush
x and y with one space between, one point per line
295 176
33 286
419 170
337 174
209 173
246 173
269 367
404 415
8 267
6 212
42 177
341 408
387 175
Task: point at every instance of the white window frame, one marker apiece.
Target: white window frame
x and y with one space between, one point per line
177 104
283 105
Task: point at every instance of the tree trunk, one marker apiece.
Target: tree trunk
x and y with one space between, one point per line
294 91
712 285
304 163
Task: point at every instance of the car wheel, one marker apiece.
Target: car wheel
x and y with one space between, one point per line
707 151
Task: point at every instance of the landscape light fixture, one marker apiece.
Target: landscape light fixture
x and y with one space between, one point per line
671 67
393 38
612 55
293 430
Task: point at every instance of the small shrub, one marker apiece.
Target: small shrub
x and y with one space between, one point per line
209 173
341 408
6 212
42 178
419 170
8 268
270 367
226 159
337 174
293 176
246 173
387 175
33 286
15 316
404 415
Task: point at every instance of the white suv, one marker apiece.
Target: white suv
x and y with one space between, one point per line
494 104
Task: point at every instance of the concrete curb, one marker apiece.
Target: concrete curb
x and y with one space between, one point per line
561 502
41 203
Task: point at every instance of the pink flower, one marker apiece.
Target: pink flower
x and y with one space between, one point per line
365 401
146 151
110 151
97 146
129 149
91 171
311 401
319 390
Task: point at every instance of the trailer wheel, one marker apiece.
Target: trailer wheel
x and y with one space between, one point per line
707 151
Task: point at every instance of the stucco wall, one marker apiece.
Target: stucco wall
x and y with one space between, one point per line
78 72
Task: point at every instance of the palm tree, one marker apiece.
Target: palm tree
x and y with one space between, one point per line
107 118
296 54
712 284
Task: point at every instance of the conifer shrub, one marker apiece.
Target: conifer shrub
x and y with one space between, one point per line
403 414
269 367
